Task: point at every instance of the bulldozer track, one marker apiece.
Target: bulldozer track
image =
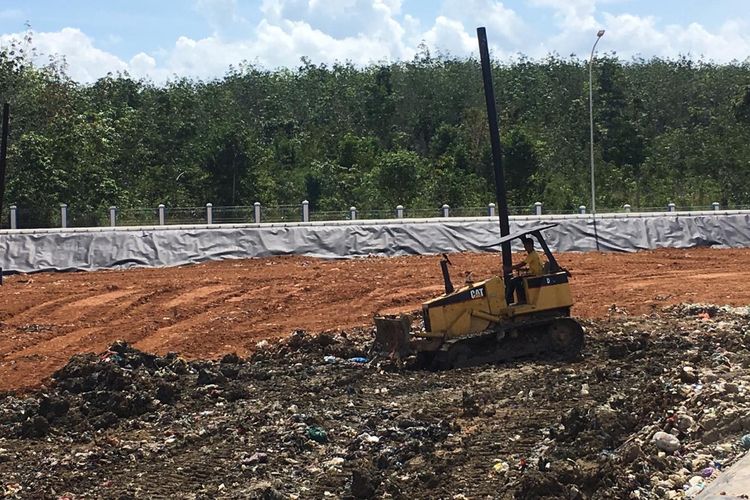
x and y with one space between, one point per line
560 338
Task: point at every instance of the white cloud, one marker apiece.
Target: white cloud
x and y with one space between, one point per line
142 65
365 31
631 35
634 35
577 27
361 31
273 46
731 42
570 14
85 62
449 35
341 19
219 13
501 22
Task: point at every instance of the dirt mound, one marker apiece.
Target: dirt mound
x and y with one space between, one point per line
657 416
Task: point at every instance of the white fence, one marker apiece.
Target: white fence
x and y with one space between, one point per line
162 215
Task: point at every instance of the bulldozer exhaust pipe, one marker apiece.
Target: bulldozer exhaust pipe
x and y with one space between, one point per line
446 275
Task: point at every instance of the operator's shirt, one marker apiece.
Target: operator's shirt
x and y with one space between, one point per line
534 263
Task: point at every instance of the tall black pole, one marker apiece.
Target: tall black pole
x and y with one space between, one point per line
497 153
3 152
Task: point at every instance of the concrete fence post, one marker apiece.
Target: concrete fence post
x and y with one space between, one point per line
113 216
626 207
400 211
715 205
491 209
256 212
161 214
305 211
353 213
209 213
538 208
446 211
63 215
13 218
671 207
582 209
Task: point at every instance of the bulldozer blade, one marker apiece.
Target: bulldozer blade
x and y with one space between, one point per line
392 336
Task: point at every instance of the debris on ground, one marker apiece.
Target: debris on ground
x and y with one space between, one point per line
657 408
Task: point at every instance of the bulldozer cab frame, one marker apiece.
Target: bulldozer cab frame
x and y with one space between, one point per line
536 232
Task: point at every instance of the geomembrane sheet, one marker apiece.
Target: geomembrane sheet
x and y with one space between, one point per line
159 246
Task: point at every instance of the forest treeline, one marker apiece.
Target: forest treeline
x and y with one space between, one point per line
411 133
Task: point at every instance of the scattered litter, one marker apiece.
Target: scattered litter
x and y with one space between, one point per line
501 467
666 442
708 472
317 434
668 408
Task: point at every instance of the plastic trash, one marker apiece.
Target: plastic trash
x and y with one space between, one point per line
330 359
695 481
112 357
334 462
317 434
708 472
666 442
358 360
694 486
501 467
694 490
370 439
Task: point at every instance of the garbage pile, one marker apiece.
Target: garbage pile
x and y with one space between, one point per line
657 408
690 421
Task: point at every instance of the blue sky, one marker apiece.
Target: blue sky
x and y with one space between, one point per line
201 38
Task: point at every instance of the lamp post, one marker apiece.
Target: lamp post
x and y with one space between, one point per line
599 35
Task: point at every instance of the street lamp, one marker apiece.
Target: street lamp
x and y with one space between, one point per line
599 35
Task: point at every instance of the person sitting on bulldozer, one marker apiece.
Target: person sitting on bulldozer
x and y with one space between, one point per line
535 268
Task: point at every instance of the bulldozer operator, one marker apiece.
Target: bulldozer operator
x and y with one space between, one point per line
533 263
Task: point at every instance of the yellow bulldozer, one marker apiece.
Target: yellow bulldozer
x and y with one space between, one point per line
474 324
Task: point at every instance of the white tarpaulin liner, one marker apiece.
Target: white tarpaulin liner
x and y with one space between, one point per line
98 248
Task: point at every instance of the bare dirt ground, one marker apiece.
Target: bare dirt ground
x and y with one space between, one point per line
206 310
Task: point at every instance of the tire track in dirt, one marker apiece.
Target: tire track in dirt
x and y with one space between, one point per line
212 308
44 310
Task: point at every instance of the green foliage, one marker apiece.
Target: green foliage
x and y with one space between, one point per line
411 133
396 178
